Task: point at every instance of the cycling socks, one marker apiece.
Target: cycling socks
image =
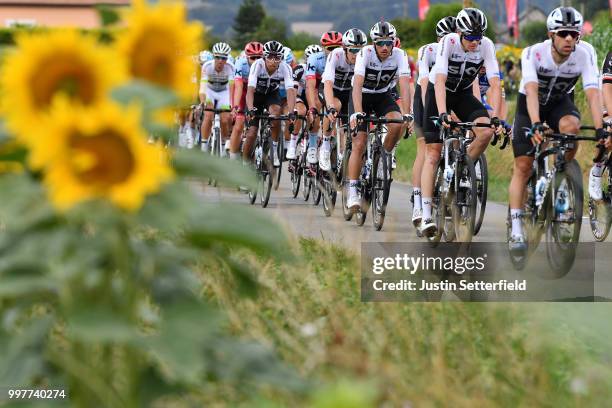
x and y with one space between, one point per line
353 187
312 140
326 145
515 216
234 156
597 169
416 194
426 208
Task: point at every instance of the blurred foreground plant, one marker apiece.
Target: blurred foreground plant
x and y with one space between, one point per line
100 230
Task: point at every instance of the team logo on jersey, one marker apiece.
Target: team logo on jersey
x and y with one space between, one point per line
311 67
452 41
430 49
538 56
544 70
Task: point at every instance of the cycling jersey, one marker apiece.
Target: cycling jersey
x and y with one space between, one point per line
555 81
338 70
484 85
242 69
315 66
379 76
216 81
427 58
461 67
299 79
265 83
607 69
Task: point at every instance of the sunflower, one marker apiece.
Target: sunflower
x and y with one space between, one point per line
155 43
45 66
99 153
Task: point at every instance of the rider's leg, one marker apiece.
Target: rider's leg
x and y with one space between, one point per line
481 140
275 110
313 139
207 124
570 124
325 152
417 168
432 156
516 192
291 147
354 168
251 134
226 126
236 137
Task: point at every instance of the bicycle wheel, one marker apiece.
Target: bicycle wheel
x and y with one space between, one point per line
379 187
316 188
438 206
280 153
346 212
463 207
564 219
600 217
267 173
329 187
253 193
296 177
482 186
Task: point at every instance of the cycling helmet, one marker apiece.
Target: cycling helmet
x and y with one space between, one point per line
312 49
205 56
445 26
331 38
288 55
471 21
273 48
382 29
254 48
354 38
221 49
397 43
564 18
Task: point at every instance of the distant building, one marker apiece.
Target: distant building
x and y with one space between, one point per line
531 14
311 27
54 13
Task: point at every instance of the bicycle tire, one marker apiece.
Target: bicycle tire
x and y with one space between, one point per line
316 188
482 187
329 187
267 173
279 169
378 186
464 212
600 212
346 212
561 255
296 178
438 206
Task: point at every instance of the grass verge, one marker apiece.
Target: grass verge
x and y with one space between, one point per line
412 354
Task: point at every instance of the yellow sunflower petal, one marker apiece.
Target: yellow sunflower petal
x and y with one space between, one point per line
45 66
157 38
99 153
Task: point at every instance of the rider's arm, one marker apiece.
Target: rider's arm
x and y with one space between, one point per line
492 72
403 72
606 88
231 86
250 97
203 84
476 89
358 77
440 88
423 70
238 86
328 79
288 79
590 84
440 72
311 81
594 99
530 77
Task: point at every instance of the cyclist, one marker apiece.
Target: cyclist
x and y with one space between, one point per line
458 60
216 91
550 70
315 66
426 56
290 60
265 78
595 191
252 52
375 70
301 102
337 86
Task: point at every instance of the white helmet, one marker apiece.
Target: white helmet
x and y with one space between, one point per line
471 21
354 38
445 26
221 49
205 56
564 18
273 48
288 55
312 49
382 29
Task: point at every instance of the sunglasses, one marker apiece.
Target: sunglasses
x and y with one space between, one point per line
565 33
254 58
473 37
384 43
274 57
354 50
219 57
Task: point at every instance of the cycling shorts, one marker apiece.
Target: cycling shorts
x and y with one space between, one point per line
221 100
377 103
344 98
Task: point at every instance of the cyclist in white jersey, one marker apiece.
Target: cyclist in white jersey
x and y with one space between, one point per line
265 77
550 71
459 58
216 91
426 57
337 79
375 70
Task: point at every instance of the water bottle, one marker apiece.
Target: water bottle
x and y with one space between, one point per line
540 190
368 168
258 155
448 174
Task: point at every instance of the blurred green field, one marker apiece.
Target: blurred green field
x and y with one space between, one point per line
412 354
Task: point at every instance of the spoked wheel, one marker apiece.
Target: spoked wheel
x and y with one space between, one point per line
346 212
316 188
280 148
438 206
482 185
306 185
449 227
296 177
564 219
329 194
267 173
600 212
379 181
463 207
